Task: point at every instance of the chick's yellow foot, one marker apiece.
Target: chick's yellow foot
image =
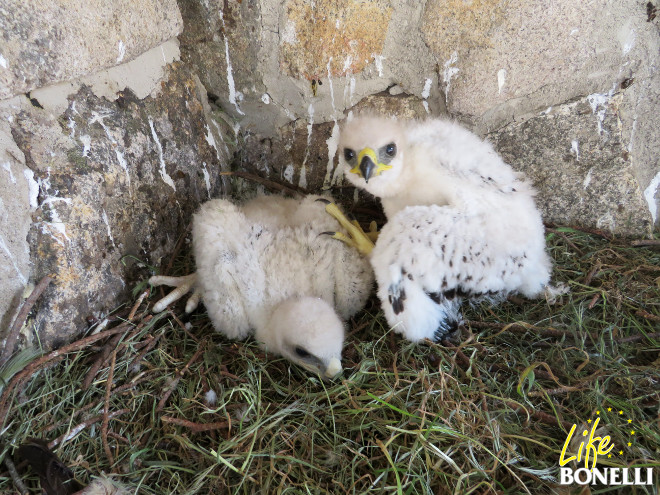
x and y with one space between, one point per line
373 231
356 237
183 286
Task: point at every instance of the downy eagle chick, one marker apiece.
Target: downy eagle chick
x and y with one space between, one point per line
461 224
264 269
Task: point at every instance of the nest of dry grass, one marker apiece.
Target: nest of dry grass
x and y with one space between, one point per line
168 406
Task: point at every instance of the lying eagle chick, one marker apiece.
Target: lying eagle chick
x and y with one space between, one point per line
264 269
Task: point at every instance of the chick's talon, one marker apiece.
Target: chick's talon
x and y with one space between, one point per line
356 237
182 285
373 231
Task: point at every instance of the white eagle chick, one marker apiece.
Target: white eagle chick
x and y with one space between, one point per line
461 224
264 268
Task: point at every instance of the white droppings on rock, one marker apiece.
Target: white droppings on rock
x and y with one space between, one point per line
209 138
598 103
501 79
449 72
7 167
87 144
233 94
221 138
104 215
378 61
96 117
650 193
56 227
587 179
332 89
302 182
575 149
265 98
426 92
332 143
121 48
163 171
33 188
347 63
627 36
3 62
207 179
123 164
288 173
72 125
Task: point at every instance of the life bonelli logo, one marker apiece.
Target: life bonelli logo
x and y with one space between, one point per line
594 445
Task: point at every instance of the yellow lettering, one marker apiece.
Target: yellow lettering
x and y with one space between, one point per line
562 461
603 445
590 446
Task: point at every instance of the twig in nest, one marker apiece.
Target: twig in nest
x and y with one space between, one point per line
460 356
177 249
635 338
106 409
538 415
270 184
647 315
121 389
594 300
182 325
131 315
196 427
85 424
646 243
518 328
23 312
53 356
175 382
150 345
18 482
592 273
108 349
567 240
553 391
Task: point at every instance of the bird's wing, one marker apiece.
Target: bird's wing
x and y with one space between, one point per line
229 270
428 258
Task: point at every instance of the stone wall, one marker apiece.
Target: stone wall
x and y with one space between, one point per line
567 91
107 146
117 118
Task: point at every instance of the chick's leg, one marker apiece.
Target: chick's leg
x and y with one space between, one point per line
183 286
356 237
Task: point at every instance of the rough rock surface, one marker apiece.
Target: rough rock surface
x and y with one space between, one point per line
270 65
111 182
580 165
507 57
493 64
48 41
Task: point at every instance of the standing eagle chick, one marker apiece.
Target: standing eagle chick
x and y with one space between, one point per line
264 268
461 224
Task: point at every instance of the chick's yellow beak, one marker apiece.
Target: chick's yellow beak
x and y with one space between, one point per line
368 165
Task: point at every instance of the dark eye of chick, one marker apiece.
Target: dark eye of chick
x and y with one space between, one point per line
349 154
301 352
390 149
